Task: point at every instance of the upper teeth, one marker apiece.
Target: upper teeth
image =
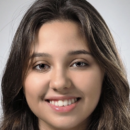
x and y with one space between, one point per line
63 102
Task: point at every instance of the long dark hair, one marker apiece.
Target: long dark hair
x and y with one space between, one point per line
112 111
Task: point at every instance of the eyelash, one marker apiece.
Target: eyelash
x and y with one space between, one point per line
46 67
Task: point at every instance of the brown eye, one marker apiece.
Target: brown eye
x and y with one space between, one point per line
80 64
41 67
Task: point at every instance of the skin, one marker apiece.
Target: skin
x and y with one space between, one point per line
63 74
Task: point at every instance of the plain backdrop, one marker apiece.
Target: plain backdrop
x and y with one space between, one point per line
115 12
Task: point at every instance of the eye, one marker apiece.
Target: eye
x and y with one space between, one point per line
79 64
41 67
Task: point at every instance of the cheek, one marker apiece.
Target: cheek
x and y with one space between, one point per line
89 80
89 83
35 86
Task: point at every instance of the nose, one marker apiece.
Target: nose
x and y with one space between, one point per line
60 82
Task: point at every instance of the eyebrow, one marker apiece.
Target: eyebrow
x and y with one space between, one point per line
77 52
40 55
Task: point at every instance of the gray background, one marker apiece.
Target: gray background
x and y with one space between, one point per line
115 12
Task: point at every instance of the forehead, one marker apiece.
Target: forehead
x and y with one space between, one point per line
68 26
60 34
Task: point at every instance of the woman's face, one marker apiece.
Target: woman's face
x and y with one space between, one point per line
63 86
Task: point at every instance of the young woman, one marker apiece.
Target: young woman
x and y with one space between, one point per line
64 72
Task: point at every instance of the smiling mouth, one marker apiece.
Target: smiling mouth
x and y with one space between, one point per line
62 103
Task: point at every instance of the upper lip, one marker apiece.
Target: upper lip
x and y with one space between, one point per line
61 97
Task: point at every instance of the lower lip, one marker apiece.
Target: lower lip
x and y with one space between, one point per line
64 108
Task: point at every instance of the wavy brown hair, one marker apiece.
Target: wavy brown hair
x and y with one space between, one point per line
112 111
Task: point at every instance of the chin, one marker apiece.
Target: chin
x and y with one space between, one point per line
64 126
65 123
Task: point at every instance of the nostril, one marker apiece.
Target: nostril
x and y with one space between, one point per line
60 89
54 89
